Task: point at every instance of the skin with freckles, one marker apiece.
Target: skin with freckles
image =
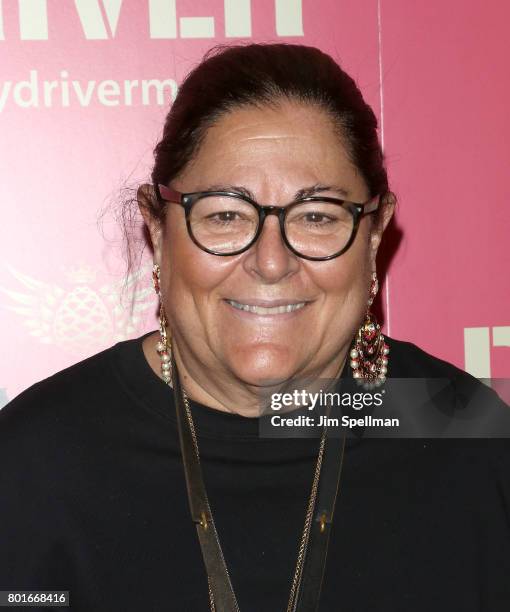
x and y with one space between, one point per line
224 355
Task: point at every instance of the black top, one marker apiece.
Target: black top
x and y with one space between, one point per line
93 500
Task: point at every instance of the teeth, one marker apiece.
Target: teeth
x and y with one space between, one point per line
263 310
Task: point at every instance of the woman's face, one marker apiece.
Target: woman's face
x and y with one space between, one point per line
273 153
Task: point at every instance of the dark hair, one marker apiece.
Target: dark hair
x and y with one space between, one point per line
263 74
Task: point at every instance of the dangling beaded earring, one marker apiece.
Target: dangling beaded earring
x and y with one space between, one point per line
369 357
163 347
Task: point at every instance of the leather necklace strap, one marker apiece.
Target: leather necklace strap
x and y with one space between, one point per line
309 588
219 578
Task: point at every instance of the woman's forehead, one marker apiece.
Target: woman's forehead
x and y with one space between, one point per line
285 125
289 142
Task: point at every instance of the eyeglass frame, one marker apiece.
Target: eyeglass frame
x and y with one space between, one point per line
186 200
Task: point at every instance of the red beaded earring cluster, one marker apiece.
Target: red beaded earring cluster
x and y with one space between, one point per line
369 357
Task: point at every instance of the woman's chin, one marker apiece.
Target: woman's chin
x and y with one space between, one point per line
264 366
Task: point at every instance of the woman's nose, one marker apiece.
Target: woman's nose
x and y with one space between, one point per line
269 257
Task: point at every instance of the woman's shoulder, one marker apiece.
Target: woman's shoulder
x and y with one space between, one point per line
450 388
77 410
407 360
480 418
80 385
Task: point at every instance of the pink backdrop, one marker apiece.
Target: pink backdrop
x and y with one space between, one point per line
84 88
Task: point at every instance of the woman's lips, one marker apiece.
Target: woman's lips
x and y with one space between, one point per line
267 307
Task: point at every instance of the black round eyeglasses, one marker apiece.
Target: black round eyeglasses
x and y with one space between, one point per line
228 223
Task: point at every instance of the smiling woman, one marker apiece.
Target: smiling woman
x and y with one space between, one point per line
153 484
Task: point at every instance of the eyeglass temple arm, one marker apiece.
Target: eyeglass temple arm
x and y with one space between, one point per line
168 194
371 205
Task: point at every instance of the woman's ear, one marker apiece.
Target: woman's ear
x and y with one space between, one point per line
146 199
387 208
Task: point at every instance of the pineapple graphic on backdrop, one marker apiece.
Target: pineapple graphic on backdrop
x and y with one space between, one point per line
79 317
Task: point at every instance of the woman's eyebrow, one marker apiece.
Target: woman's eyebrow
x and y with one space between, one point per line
231 188
301 193
319 188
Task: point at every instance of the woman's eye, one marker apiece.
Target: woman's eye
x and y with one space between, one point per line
225 216
318 218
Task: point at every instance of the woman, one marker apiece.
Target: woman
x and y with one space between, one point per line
137 479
